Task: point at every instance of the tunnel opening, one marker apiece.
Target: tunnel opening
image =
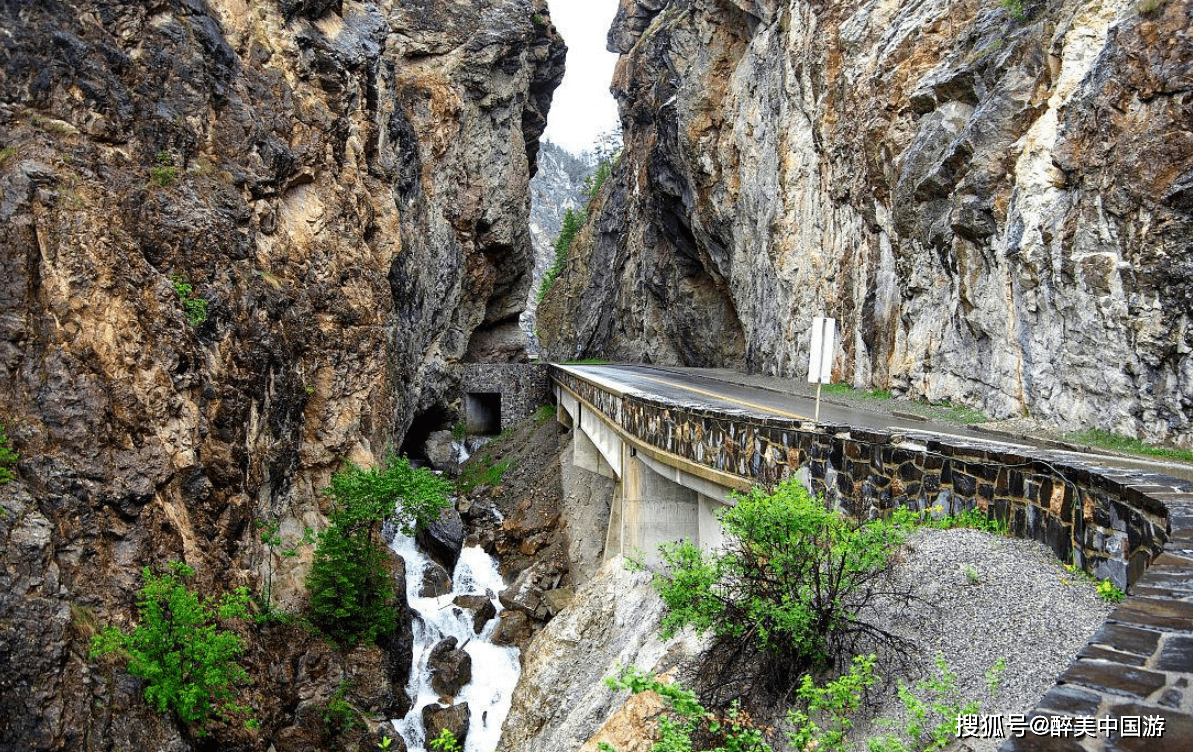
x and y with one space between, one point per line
424 424
482 412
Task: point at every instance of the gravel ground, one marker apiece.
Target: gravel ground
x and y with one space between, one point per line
1025 608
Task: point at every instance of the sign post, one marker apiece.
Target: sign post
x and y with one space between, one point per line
820 356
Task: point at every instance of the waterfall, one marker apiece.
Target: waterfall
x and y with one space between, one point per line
495 669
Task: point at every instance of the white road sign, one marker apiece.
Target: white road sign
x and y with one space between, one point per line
820 365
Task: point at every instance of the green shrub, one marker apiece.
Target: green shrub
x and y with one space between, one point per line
339 717
163 173
8 458
783 595
445 742
187 660
350 588
194 306
827 713
687 718
6 152
1109 592
931 711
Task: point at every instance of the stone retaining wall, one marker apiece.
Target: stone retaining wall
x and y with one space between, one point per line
524 387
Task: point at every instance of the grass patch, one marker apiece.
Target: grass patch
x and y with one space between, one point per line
544 414
846 390
487 472
1119 443
941 411
6 153
586 362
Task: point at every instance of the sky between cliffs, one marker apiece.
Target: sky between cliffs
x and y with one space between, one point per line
582 107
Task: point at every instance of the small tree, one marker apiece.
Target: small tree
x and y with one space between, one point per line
783 597
351 590
187 660
573 222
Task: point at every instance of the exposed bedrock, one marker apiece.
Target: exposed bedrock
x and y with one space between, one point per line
345 185
997 210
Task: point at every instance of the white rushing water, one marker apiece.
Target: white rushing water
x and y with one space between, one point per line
495 669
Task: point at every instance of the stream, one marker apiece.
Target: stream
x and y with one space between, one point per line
495 669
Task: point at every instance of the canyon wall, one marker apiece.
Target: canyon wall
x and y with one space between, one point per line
995 200
344 183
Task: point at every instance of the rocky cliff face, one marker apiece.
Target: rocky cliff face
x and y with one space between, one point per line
343 183
994 200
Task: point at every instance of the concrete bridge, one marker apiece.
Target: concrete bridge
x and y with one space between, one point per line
679 445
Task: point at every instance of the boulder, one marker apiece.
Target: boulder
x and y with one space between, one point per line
441 450
443 538
482 609
436 581
514 628
451 668
454 718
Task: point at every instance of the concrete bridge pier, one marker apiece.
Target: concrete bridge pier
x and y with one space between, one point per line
653 502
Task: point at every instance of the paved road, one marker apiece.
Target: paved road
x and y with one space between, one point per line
789 398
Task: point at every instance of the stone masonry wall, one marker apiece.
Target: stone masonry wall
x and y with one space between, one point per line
524 387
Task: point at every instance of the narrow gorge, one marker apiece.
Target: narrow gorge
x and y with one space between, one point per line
246 247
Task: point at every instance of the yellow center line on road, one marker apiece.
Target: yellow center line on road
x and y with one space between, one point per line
714 395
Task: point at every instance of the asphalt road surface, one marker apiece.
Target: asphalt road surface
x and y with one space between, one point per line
725 390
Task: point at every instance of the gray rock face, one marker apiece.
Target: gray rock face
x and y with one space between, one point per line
996 210
343 184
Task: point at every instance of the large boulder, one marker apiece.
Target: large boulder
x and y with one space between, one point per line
451 668
482 609
443 538
454 718
441 450
436 581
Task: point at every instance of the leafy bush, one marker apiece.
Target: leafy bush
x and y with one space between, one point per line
163 173
931 711
688 719
573 221
827 715
1109 592
782 597
8 458
350 588
339 717
187 660
445 742
194 306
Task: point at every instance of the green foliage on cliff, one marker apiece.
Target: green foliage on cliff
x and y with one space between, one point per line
8 458
573 221
782 597
194 306
593 183
163 173
188 661
350 587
